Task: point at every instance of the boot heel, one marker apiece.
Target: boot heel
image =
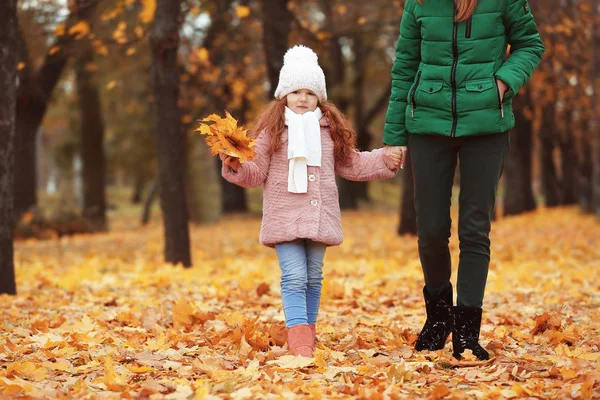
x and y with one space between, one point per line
438 325
465 332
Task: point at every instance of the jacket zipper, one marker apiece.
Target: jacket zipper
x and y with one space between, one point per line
453 77
469 26
499 99
413 105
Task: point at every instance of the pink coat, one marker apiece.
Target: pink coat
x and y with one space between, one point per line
313 215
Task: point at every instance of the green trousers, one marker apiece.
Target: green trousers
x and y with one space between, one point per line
433 160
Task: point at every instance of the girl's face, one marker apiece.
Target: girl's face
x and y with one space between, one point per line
302 101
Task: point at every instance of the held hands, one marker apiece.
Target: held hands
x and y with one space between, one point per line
231 162
395 156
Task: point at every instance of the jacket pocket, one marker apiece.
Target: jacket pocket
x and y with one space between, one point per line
427 94
500 101
485 86
413 104
431 86
480 85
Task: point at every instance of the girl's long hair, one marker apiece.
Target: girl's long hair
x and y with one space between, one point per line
464 9
272 122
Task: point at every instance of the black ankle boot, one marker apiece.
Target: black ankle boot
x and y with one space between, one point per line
439 321
465 333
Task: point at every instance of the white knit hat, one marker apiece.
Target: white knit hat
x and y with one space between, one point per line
301 70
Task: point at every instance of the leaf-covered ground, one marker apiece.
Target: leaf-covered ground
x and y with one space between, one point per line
102 317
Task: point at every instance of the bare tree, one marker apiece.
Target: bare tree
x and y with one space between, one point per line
91 135
8 78
33 94
518 167
170 140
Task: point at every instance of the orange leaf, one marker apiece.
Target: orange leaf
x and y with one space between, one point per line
80 29
224 136
147 13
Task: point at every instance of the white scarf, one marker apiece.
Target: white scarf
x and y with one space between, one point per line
304 146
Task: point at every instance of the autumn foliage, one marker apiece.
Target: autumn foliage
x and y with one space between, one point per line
104 316
224 136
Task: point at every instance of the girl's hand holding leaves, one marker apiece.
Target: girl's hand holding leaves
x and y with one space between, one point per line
224 136
231 162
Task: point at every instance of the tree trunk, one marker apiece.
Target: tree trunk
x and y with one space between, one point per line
586 170
170 141
518 168
352 192
8 79
91 139
138 188
408 212
550 183
595 124
33 93
148 203
233 197
276 30
570 162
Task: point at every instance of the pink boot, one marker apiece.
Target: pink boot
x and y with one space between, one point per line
313 329
301 341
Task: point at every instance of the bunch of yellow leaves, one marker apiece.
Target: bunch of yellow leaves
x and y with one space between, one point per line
224 136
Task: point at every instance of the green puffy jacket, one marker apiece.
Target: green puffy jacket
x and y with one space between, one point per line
444 75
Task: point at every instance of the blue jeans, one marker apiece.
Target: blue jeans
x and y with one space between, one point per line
301 263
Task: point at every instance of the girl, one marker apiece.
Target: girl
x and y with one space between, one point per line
302 142
451 98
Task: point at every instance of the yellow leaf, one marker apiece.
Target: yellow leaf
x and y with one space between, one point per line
148 10
21 65
292 362
59 30
139 369
28 370
224 136
111 85
130 51
568 373
242 11
80 29
183 312
84 326
202 54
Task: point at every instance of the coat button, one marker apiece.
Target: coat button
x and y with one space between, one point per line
479 87
311 178
313 202
430 90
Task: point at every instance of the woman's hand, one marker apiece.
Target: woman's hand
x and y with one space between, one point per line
395 156
231 162
502 88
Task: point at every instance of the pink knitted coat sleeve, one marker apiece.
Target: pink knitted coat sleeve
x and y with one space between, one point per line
366 166
252 173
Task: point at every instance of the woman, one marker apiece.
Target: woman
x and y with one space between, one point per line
452 91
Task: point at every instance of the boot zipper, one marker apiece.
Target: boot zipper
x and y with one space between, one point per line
499 99
453 76
413 105
469 26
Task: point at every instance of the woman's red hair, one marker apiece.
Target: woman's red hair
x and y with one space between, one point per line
464 9
272 122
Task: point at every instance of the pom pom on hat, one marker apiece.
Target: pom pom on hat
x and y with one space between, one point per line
301 70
